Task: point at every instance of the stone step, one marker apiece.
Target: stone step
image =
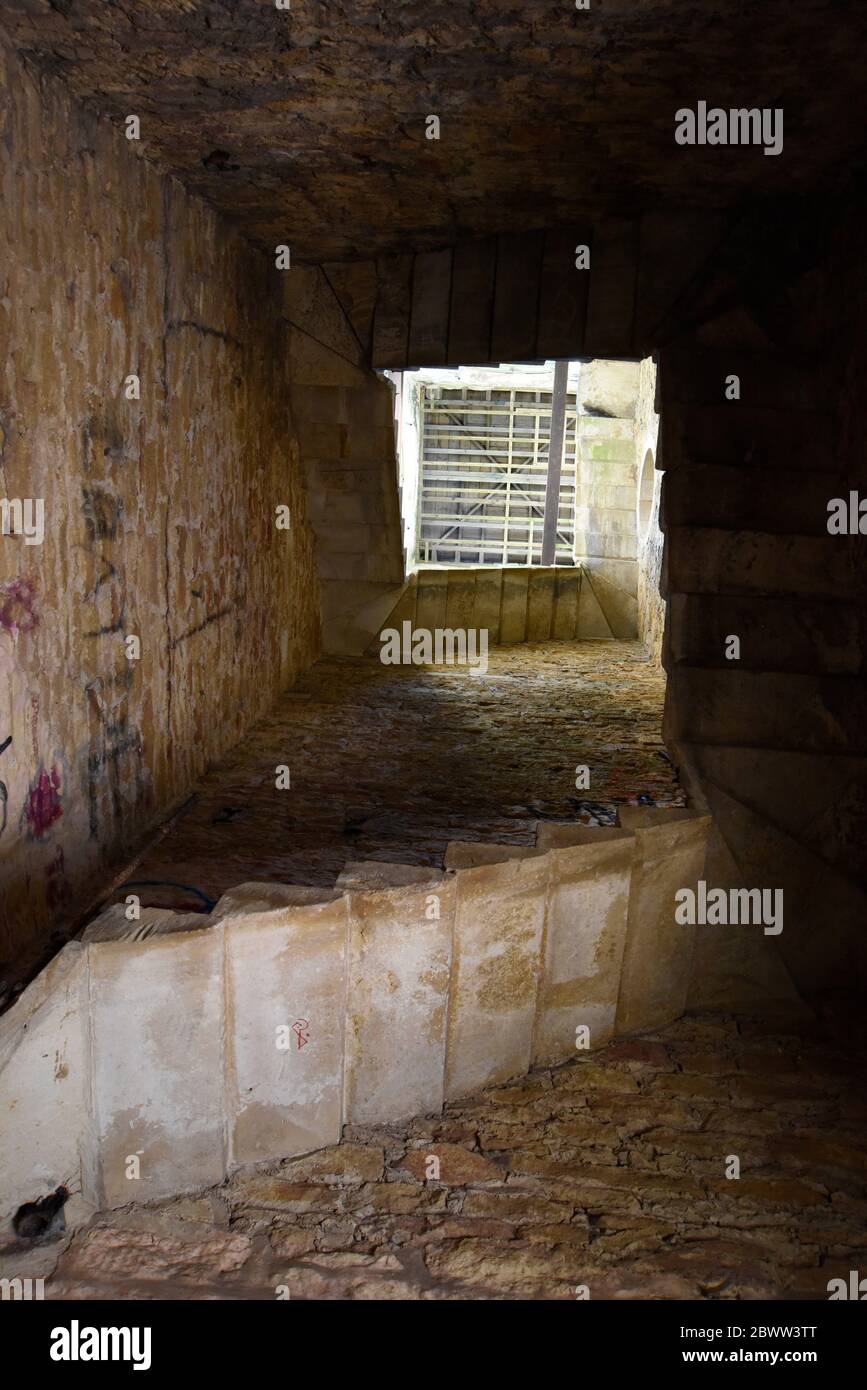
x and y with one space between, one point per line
470 854
499 924
364 567
360 405
47 1136
520 296
823 937
309 303
737 434
699 375
595 430
338 476
766 709
654 981
374 873
522 604
399 965
360 538
265 897
819 801
156 1014
566 834
582 953
611 299
675 247
285 1020
392 311
471 301
351 612
756 499
776 634
737 969
114 925
429 320
185 1046
706 560
619 608
516 296
563 294
634 818
328 506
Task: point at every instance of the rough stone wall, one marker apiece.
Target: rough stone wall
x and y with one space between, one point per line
605 539
345 420
321 106
774 737
606 478
159 513
651 604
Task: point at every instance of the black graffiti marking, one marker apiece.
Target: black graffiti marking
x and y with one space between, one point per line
113 741
207 332
103 513
120 741
109 574
200 627
103 517
4 795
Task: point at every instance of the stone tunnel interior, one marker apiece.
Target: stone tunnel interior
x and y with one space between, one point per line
433 780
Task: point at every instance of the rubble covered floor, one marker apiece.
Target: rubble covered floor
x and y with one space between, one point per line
607 1173
393 762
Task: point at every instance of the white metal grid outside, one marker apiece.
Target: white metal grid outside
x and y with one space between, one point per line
483 469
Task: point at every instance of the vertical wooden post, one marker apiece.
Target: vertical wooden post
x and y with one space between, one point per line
555 462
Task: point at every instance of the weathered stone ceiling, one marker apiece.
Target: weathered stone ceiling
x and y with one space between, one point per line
548 113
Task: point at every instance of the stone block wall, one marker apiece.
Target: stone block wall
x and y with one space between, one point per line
611 543
156 1057
515 604
345 417
771 294
159 511
605 531
651 604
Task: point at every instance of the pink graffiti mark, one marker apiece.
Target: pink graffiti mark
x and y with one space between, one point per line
43 806
300 1028
17 611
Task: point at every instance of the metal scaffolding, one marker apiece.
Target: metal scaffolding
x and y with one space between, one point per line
483 475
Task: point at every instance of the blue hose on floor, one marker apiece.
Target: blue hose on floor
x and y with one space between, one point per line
167 883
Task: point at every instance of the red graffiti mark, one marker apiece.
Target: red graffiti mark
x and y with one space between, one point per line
43 803
17 612
300 1029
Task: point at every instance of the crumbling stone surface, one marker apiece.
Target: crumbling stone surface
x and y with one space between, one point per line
309 123
159 505
395 762
606 1173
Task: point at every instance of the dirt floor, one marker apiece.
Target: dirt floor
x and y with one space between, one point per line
603 1178
393 762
